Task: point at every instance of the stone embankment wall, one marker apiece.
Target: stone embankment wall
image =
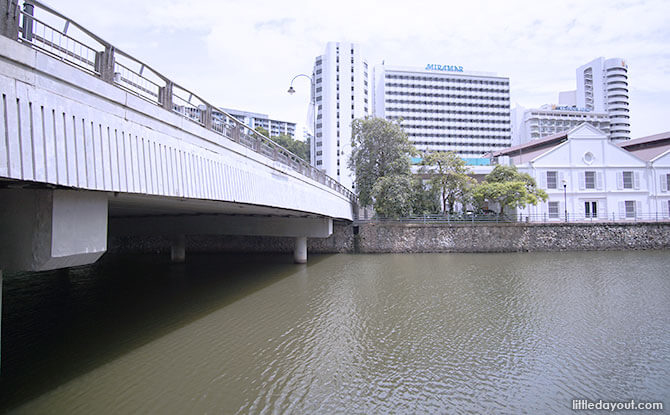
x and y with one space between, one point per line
512 237
415 238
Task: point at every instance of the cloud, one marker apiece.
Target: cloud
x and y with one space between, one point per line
242 54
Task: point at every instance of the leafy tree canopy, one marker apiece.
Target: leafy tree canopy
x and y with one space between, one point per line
392 196
449 176
379 148
297 147
425 201
509 188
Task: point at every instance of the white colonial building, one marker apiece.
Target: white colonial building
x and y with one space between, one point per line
655 151
588 177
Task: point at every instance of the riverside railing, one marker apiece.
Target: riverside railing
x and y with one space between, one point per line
34 23
465 218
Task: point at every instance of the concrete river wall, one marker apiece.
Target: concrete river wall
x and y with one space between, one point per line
416 238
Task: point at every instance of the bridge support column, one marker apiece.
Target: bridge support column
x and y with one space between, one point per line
46 229
178 249
300 250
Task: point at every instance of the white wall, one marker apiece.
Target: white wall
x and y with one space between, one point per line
589 150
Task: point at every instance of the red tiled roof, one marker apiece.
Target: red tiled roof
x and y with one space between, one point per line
649 153
534 145
650 139
649 147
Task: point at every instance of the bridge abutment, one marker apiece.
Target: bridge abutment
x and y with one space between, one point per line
45 229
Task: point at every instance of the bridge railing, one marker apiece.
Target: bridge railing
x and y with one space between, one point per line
36 24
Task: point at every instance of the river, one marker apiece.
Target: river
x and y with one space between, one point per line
420 333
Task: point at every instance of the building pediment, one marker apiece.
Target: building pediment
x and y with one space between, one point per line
586 131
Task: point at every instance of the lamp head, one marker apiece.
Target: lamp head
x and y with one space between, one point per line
291 90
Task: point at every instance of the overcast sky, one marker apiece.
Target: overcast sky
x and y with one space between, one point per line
243 54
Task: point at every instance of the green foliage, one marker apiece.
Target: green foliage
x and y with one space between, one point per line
393 196
297 147
425 200
509 188
449 176
379 148
263 131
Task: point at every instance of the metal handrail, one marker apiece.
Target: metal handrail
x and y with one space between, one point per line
205 114
464 218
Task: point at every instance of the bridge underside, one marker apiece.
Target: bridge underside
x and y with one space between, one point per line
47 228
82 158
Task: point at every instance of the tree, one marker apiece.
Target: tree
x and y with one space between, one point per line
379 148
297 147
509 188
425 200
449 176
392 196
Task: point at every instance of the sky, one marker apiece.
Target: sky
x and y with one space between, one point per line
243 54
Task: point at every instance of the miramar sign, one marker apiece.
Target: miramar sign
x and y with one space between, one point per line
444 68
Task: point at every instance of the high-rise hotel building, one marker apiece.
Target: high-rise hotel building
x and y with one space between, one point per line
341 87
444 108
601 99
602 86
535 123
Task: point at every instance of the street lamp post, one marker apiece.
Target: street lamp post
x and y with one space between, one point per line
565 198
313 103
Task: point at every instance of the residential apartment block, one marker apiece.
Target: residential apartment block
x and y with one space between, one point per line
253 120
341 88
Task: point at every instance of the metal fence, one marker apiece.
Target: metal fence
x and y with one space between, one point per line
76 46
604 217
473 218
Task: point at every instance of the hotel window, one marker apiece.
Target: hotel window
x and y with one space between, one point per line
552 180
553 210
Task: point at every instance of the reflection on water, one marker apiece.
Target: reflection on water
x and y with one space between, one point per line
447 333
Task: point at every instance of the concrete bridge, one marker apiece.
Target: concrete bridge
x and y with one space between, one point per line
94 142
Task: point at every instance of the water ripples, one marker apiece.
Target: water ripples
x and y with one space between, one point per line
494 333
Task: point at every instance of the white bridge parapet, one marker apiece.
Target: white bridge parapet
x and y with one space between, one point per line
63 126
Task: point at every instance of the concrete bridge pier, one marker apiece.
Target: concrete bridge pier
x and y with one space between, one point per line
178 249
300 250
298 228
